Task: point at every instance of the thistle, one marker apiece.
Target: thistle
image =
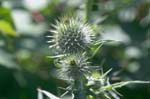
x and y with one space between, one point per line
76 68
70 35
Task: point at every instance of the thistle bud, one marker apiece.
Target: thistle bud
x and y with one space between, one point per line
75 67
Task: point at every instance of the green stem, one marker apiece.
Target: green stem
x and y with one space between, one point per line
89 4
80 92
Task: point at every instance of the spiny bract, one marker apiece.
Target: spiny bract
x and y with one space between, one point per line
102 87
70 36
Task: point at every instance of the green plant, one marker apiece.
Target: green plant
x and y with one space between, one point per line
74 42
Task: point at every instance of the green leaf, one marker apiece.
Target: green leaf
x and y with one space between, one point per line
121 84
5 14
95 51
6 28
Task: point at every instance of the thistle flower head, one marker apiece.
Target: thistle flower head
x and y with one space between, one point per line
74 67
70 36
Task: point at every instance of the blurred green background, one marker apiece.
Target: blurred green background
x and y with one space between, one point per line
24 65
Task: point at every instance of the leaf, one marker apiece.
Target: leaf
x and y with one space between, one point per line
5 14
106 73
40 95
99 44
95 51
5 27
121 84
48 94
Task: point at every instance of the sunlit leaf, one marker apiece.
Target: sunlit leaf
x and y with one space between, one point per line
6 28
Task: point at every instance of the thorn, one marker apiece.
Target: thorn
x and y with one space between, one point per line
52 46
51 41
105 74
54 26
49 36
53 31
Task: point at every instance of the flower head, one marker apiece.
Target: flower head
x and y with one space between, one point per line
70 36
74 67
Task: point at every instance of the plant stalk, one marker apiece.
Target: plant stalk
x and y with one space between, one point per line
89 4
80 92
